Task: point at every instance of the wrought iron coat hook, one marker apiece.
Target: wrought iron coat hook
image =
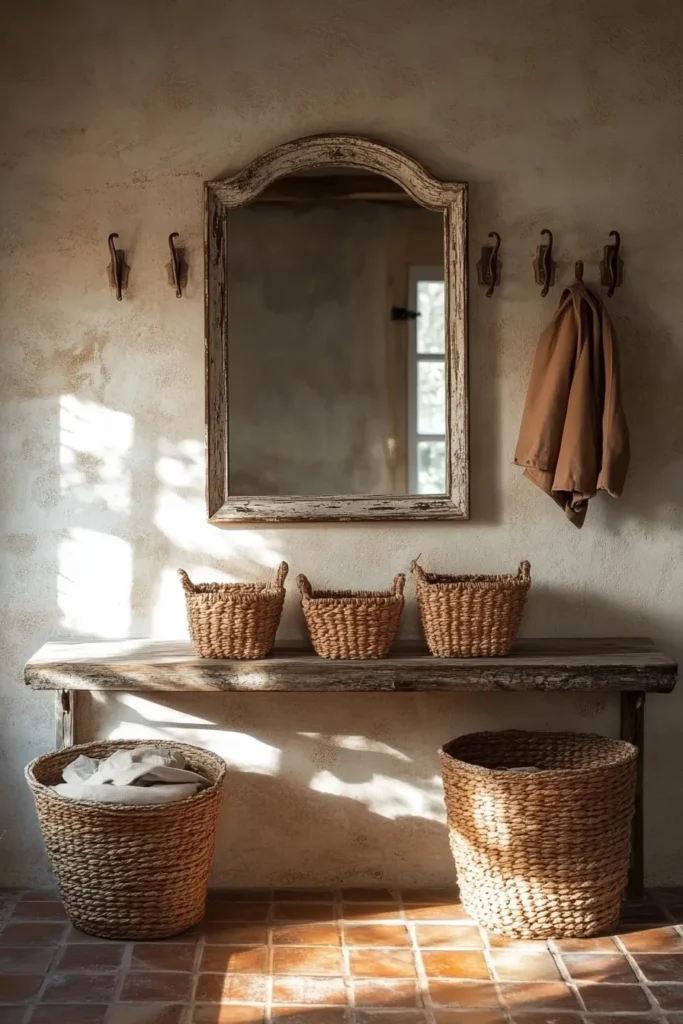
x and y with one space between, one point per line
175 264
544 265
177 268
118 270
489 267
611 265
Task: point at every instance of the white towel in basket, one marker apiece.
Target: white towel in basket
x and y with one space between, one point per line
144 775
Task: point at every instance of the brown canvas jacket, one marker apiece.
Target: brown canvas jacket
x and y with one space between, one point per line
573 439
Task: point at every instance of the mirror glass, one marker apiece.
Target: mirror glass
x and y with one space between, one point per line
336 340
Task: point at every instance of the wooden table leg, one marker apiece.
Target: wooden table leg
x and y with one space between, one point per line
633 730
65 708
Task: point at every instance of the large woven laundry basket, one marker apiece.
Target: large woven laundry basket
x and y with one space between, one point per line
234 620
471 616
352 623
540 854
129 872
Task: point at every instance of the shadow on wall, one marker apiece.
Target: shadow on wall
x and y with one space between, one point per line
652 371
347 837
302 805
322 787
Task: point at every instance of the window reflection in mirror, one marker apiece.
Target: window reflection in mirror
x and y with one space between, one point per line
336 346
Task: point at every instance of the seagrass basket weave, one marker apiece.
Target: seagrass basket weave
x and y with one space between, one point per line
129 872
352 623
471 616
234 620
542 854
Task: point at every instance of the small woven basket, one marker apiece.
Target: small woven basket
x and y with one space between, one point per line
352 623
234 620
471 616
540 854
129 872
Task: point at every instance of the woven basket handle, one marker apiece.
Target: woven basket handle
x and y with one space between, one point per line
398 584
188 585
524 571
305 588
417 570
281 574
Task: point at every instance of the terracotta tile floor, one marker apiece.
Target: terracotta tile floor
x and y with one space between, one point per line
356 956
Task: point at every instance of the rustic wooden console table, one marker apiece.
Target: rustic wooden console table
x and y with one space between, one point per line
630 667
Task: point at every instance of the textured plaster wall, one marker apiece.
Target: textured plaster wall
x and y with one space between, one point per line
566 117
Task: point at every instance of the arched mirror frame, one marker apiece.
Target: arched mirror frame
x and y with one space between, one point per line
310 154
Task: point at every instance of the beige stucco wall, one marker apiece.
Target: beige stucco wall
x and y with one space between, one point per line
560 116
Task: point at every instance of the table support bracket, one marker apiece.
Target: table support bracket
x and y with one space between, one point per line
65 715
633 730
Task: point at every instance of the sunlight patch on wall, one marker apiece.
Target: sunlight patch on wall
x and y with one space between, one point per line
361 743
169 614
386 796
181 466
94 583
180 515
94 444
150 711
244 753
240 752
180 512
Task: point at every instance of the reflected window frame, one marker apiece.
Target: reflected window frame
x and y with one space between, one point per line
416 436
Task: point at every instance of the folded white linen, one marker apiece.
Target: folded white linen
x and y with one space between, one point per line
80 769
125 775
163 794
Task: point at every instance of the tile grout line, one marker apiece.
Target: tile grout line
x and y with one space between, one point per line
270 945
423 981
196 964
349 984
487 952
28 1012
8 909
642 981
571 984
123 969
58 950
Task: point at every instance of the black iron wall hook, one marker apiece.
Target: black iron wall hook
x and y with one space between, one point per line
611 265
489 266
544 265
118 269
177 268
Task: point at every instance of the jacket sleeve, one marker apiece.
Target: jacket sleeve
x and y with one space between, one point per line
543 418
615 436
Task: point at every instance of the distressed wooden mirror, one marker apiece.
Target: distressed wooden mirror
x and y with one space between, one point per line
336 349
